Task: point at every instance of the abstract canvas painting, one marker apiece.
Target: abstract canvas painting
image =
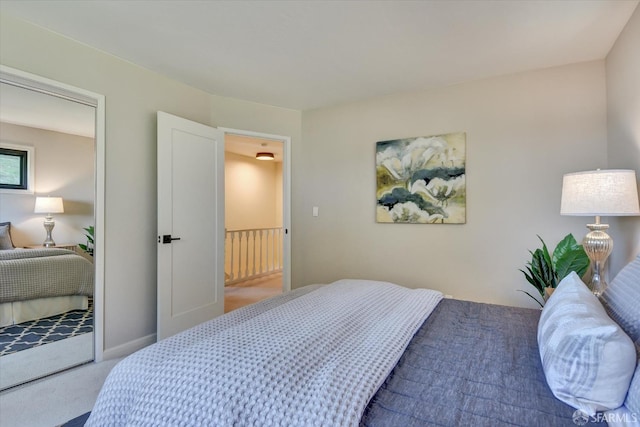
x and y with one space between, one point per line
422 180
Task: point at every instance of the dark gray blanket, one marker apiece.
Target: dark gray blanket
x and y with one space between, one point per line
470 364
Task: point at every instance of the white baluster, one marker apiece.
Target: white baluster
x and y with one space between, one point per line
232 273
261 252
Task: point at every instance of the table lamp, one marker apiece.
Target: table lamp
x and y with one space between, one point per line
49 205
612 192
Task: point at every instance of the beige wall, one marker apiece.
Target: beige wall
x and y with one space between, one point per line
623 124
133 96
251 193
64 167
524 132
279 193
253 199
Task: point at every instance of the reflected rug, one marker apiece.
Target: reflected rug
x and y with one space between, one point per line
38 332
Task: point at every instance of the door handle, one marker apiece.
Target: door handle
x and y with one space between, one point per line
168 239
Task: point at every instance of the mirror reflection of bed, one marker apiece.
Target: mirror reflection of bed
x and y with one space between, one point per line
46 294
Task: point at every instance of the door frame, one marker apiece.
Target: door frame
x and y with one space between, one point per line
96 100
286 194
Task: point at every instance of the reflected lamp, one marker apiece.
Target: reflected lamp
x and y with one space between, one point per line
48 206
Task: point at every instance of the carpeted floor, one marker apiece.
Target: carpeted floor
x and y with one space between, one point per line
38 332
56 399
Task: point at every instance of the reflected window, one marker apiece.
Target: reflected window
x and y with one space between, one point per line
16 164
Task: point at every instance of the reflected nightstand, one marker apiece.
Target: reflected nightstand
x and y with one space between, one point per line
70 246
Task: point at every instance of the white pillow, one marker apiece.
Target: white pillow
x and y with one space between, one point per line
588 360
621 299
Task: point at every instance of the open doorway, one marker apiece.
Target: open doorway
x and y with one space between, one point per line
254 219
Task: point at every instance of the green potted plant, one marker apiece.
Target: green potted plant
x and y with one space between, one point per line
545 271
88 248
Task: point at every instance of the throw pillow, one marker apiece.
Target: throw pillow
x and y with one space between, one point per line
587 358
622 299
5 236
622 302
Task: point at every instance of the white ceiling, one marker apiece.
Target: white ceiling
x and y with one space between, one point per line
309 54
24 107
30 108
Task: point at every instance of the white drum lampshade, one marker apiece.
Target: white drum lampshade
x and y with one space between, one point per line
612 192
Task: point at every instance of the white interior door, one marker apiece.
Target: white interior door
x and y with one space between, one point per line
190 224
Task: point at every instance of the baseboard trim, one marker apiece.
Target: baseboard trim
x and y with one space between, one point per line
126 349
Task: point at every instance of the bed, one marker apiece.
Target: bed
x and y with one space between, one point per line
38 283
376 354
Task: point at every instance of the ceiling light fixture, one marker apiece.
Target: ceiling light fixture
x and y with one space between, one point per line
265 156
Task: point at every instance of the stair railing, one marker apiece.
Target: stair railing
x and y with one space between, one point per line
252 253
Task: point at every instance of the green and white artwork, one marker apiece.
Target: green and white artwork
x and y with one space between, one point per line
422 180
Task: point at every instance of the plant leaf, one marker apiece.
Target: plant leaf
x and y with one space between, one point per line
532 279
565 245
545 251
540 272
90 232
575 260
532 297
570 256
542 268
547 264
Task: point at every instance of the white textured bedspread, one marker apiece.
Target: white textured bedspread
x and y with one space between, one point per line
311 357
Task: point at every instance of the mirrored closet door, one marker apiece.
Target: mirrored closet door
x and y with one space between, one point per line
47 212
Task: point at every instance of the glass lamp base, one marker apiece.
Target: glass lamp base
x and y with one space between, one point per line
48 241
598 246
597 284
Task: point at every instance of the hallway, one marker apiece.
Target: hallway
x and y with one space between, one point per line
250 291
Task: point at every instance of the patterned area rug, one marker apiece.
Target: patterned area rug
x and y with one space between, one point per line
43 331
